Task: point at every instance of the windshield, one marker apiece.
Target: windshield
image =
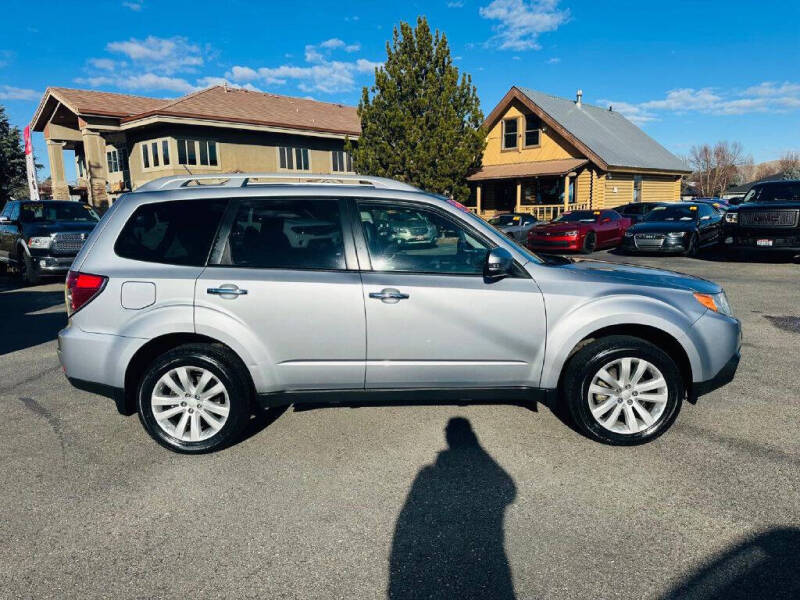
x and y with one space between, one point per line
672 213
37 212
579 216
503 220
777 192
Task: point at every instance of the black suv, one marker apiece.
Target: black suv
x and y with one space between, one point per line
767 219
38 238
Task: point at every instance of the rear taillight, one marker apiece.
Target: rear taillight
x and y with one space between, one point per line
81 289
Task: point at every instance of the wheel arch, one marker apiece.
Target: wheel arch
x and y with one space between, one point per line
654 335
158 346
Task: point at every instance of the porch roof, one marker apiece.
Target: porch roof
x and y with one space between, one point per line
528 169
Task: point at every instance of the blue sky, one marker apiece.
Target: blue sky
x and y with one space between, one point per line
687 72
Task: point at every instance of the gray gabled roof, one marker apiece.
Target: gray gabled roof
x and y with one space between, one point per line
607 133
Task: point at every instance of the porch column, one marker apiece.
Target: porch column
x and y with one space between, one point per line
519 197
94 149
58 181
566 193
478 199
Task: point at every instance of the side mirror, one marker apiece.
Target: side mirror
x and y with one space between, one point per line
499 264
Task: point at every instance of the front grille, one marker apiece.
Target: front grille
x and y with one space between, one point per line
68 243
649 240
769 218
418 230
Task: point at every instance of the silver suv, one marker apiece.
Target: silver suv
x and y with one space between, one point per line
198 300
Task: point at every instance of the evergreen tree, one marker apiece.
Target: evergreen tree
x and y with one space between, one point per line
420 123
13 175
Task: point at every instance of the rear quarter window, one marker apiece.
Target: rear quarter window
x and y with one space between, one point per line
178 232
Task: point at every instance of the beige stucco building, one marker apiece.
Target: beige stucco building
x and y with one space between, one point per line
539 146
122 141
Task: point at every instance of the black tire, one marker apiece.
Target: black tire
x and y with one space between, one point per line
27 268
231 373
691 250
589 243
585 363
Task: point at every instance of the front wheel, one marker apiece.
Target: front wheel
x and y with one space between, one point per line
195 399
589 243
691 249
623 390
28 271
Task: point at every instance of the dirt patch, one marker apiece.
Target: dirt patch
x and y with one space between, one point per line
790 324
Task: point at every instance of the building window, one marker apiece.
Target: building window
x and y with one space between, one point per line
154 146
293 159
212 154
193 152
341 162
145 156
532 128
637 188
509 134
113 161
165 152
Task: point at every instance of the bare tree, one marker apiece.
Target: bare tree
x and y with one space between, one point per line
715 168
789 165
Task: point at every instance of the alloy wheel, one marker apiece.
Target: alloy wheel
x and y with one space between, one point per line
628 395
190 403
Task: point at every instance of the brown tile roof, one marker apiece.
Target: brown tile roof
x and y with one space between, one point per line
105 103
219 103
528 169
243 106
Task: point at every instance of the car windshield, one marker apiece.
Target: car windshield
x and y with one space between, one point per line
579 216
36 212
777 192
503 220
672 213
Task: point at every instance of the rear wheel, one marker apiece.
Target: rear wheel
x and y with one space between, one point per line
622 390
195 399
589 243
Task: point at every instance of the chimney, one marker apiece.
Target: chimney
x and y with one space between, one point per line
579 97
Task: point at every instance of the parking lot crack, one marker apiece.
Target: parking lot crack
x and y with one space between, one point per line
40 411
790 324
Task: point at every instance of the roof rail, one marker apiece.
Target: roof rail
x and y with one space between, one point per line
174 182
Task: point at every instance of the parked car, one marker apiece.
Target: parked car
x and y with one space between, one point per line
681 227
720 204
767 219
579 231
42 238
166 317
514 225
636 211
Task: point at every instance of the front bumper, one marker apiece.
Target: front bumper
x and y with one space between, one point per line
724 377
52 264
668 245
555 243
764 240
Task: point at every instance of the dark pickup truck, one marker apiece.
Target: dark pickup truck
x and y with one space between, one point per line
40 238
767 219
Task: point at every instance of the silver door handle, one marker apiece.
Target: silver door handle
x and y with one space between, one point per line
389 294
226 291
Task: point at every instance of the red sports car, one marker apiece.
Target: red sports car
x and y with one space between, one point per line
581 231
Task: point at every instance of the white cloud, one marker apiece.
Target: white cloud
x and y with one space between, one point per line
766 97
205 82
160 55
321 73
456 4
520 22
134 6
104 64
355 47
140 82
553 61
8 92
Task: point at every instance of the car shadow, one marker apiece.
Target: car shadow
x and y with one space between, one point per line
28 320
766 565
449 537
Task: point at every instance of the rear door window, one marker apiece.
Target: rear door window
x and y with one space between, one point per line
286 233
178 233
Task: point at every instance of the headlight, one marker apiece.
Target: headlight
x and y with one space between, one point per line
731 217
676 234
570 233
39 242
628 234
716 302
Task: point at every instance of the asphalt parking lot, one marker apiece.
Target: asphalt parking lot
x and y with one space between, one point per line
442 501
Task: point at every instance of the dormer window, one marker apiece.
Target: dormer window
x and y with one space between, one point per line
532 128
509 134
